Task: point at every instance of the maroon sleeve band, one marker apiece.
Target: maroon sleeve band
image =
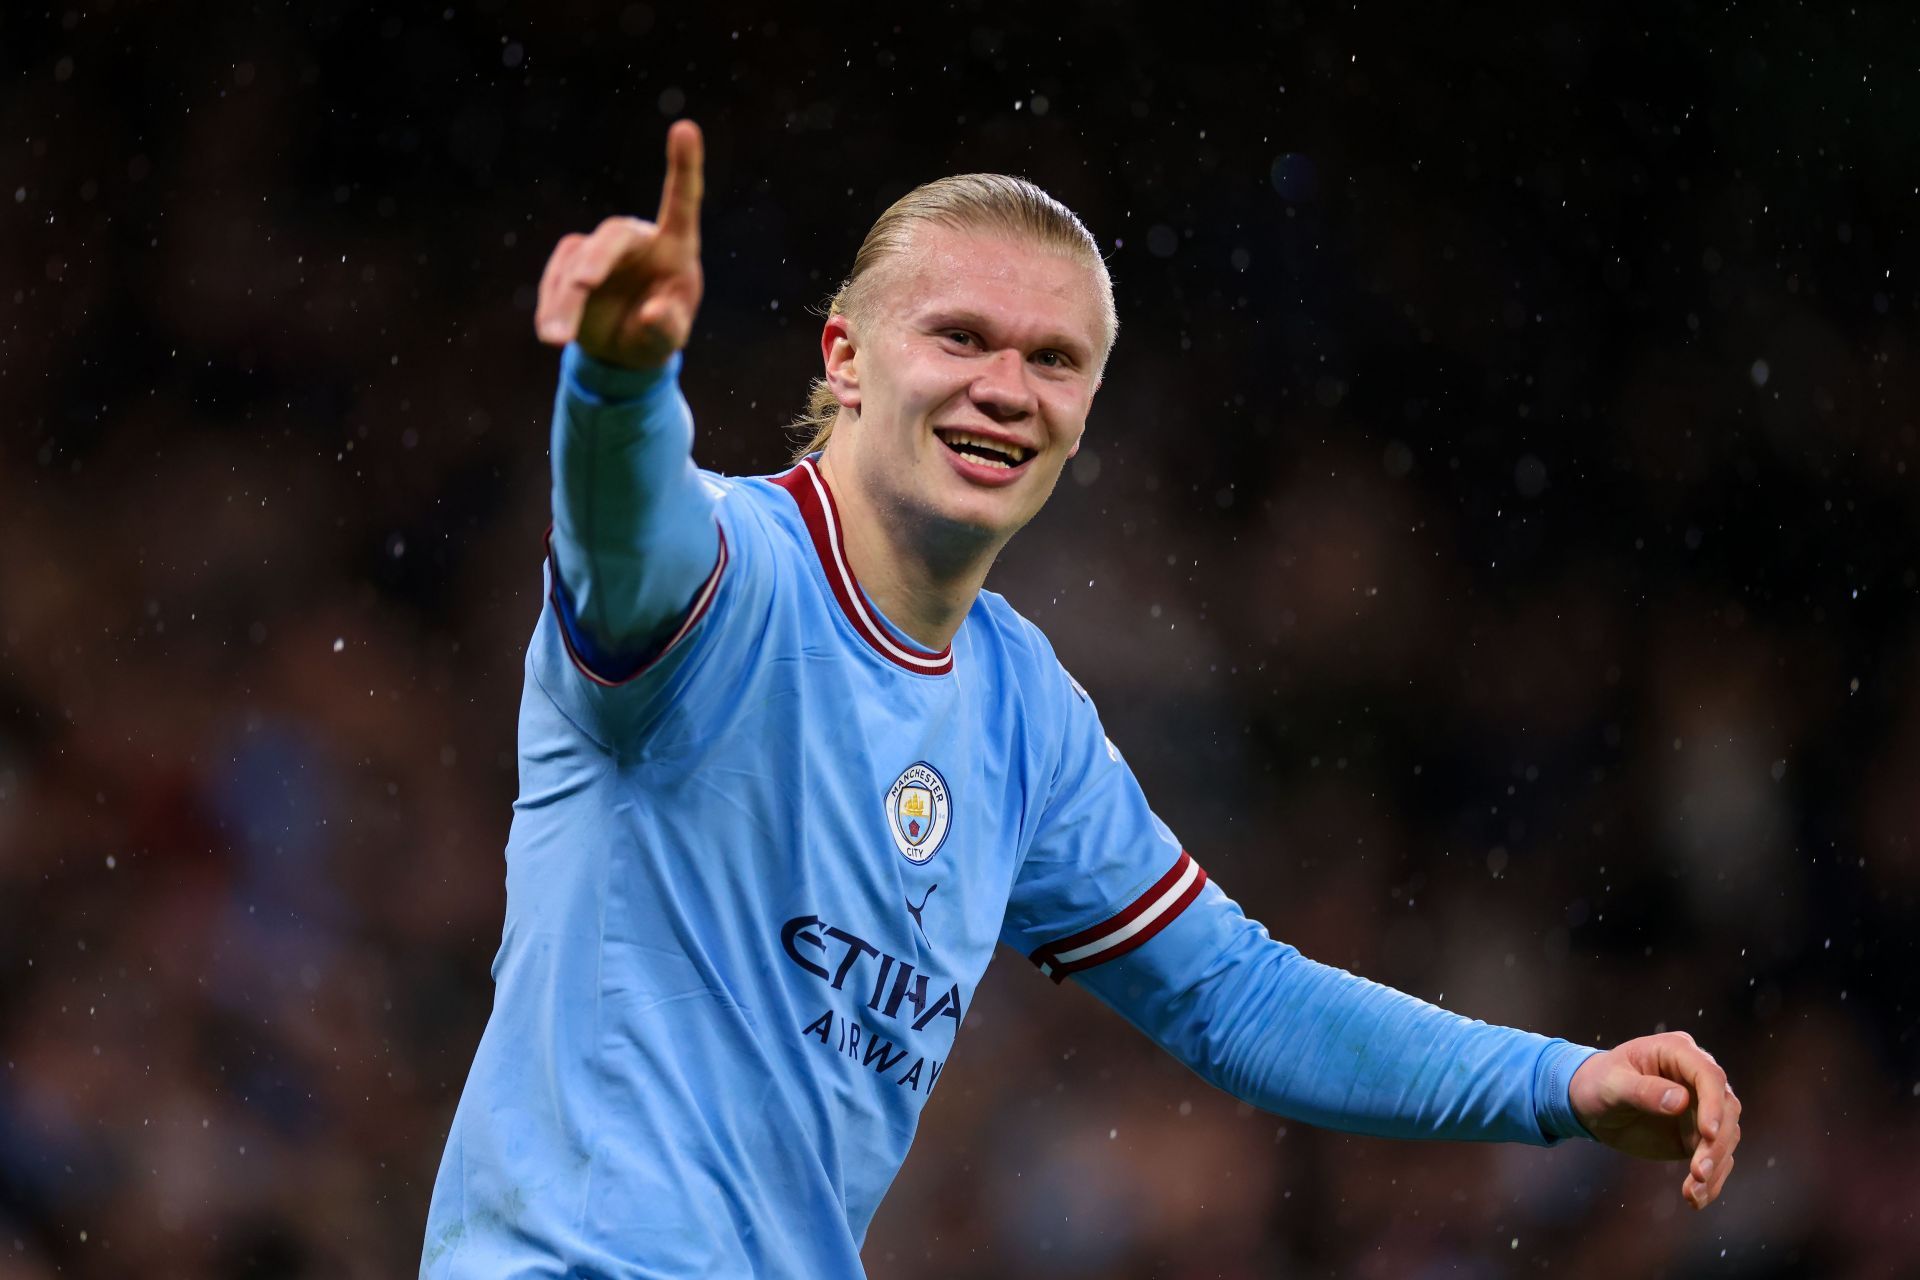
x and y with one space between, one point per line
702 600
1130 927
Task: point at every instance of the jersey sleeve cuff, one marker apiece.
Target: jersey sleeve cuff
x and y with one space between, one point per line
1127 928
602 669
600 383
1552 1078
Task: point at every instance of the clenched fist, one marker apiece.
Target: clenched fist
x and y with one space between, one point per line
628 292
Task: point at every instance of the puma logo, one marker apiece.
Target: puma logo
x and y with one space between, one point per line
915 913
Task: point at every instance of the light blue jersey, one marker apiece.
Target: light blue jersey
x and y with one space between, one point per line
757 869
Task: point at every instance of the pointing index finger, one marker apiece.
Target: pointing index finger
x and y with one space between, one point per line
686 180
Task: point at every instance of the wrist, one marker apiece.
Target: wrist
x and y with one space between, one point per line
601 381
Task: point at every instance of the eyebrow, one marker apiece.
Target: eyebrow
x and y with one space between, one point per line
948 318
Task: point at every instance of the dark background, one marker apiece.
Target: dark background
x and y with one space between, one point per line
1495 548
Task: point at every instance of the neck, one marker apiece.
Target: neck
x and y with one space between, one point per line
924 579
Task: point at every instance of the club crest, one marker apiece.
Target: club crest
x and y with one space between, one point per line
918 809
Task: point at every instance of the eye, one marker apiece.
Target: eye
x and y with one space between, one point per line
1052 359
960 336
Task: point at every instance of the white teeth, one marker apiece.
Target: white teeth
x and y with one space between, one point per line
1007 456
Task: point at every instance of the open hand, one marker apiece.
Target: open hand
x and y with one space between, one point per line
628 292
1663 1097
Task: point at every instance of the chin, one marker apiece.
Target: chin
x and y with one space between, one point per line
988 517
977 519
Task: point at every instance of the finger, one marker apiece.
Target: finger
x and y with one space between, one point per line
593 260
1719 1179
1718 1151
1656 1094
1729 1133
1710 1171
548 323
1700 1193
686 182
1692 1066
613 241
658 314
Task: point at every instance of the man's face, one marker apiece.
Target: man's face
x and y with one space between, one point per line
973 366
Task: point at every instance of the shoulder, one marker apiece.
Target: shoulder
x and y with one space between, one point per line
998 623
754 509
1019 649
756 493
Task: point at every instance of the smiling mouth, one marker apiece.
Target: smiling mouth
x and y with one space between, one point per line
980 449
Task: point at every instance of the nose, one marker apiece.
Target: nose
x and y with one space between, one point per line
1001 390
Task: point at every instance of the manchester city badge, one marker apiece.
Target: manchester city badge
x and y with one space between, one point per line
917 812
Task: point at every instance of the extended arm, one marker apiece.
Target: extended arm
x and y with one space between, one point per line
634 538
1178 959
1256 1018
1259 1020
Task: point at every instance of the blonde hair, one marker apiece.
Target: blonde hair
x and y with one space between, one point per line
987 202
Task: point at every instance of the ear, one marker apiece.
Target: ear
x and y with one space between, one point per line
839 353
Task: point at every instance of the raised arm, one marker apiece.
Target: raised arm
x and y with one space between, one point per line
634 537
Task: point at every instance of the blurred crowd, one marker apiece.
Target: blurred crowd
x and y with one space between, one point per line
1495 549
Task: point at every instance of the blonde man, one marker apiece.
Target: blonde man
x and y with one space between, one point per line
788 774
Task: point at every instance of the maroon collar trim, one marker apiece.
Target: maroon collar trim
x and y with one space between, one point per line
810 493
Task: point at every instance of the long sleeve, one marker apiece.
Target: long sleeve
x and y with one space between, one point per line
1258 1019
634 538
